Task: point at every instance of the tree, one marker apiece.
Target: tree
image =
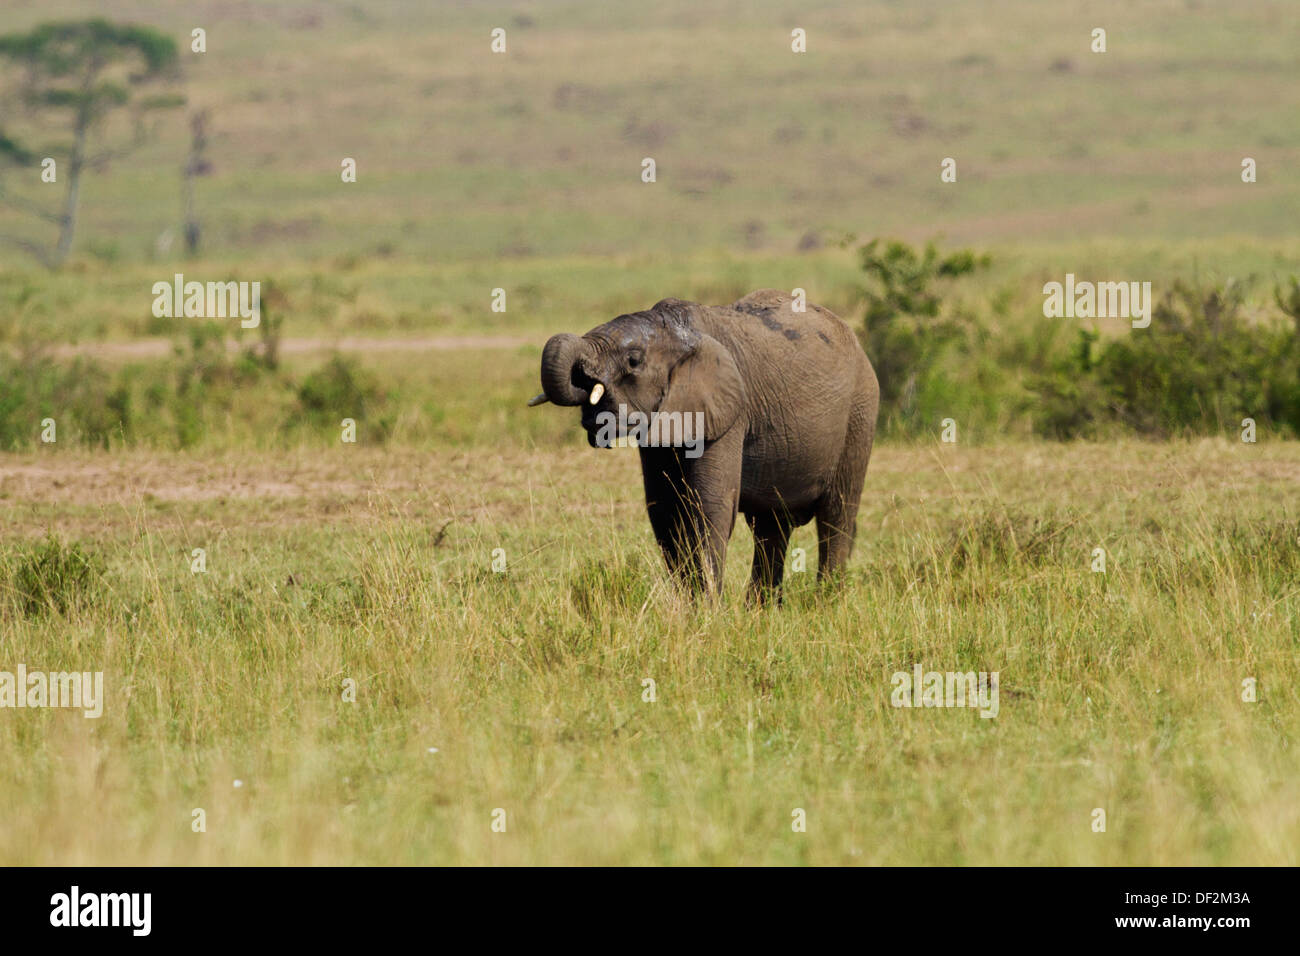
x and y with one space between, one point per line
80 72
196 165
906 326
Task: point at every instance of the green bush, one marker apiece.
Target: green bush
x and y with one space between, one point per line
1200 368
88 406
342 389
907 330
53 576
180 401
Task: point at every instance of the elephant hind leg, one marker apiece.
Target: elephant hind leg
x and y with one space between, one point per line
837 511
771 537
835 530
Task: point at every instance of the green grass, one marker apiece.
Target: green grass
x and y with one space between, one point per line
1119 691
349 296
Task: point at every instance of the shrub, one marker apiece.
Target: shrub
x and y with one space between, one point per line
54 576
342 389
906 329
1200 367
84 400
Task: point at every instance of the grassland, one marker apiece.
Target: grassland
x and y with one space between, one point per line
1119 690
523 690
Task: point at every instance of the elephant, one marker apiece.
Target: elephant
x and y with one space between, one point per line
785 403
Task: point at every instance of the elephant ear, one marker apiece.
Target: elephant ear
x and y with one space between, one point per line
706 380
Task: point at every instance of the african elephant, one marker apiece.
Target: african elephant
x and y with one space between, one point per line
787 401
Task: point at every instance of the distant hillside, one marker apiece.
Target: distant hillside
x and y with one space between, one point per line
466 154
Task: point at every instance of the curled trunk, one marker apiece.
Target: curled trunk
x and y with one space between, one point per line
561 354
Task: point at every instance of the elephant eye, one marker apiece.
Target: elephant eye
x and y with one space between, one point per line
633 359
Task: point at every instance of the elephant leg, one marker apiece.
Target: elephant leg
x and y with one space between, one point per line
837 512
714 481
665 491
692 505
771 537
835 530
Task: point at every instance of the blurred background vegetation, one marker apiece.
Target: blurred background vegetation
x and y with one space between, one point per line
521 171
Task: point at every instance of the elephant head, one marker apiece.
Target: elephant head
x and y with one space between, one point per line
648 362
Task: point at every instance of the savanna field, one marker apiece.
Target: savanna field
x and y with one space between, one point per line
1119 691
385 642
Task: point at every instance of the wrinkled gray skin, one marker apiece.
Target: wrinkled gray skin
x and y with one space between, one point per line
789 402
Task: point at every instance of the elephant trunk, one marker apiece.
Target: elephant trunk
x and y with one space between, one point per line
561 354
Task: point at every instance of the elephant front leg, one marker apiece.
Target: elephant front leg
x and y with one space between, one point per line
666 492
714 481
692 505
669 526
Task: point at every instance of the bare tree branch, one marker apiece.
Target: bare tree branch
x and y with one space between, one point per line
108 155
140 138
38 251
30 208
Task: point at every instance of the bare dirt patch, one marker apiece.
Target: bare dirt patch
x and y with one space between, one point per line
509 487
160 348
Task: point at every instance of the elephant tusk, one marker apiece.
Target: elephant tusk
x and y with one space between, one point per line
538 400
596 393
